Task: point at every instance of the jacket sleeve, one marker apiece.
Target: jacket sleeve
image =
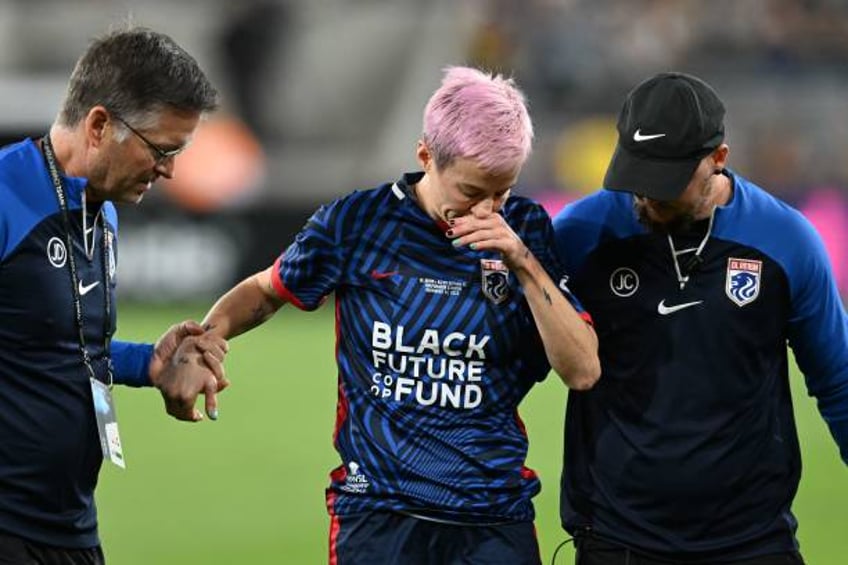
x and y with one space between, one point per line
818 334
131 362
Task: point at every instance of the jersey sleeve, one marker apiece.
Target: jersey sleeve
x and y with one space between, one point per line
311 267
818 333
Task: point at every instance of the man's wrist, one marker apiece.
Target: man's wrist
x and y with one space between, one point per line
131 363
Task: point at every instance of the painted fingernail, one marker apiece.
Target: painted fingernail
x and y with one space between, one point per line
213 414
449 233
455 242
473 246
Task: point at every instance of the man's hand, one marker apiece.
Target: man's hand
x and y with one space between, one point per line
186 361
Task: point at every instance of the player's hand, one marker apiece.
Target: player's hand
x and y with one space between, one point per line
186 362
486 230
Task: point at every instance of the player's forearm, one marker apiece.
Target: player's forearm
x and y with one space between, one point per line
570 343
247 305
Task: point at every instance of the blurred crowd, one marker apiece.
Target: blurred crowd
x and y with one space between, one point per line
336 86
778 63
324 96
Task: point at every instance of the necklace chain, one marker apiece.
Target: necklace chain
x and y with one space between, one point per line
681 278
89 243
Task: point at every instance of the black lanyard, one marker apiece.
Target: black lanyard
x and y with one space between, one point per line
50 158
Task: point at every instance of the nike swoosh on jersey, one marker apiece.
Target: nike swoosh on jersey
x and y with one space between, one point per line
666 310
637 136
86 288
377 275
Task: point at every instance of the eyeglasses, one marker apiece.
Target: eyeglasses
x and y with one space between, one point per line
159 155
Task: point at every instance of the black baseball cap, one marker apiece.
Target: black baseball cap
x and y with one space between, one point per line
667 125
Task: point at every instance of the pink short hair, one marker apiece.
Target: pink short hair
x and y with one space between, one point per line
478 116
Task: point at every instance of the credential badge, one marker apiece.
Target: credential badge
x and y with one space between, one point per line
742 284
495 281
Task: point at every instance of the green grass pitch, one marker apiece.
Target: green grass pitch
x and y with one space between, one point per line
249 488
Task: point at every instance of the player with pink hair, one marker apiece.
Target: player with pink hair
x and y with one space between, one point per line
478 117
447 315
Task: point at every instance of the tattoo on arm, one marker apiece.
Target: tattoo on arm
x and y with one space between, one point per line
208 327
260 312
547 296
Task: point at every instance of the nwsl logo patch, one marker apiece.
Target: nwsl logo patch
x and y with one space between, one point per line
495 280
742 284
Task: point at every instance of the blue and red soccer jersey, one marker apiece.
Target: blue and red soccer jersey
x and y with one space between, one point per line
436 348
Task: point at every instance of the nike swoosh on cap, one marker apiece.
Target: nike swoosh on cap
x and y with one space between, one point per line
86 288
666 310
637 135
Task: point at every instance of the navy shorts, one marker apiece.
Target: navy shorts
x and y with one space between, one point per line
390 538
18 551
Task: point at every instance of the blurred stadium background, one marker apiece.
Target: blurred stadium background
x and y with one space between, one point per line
324 96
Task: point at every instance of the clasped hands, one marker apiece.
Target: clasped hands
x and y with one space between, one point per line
186 362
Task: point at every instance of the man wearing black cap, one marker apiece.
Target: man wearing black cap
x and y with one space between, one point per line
686 450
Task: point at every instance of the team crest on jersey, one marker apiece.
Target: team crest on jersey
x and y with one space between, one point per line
495 277
742 284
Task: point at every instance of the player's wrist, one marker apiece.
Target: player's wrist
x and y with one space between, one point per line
522 261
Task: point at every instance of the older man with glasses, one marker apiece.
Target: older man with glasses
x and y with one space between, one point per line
58 240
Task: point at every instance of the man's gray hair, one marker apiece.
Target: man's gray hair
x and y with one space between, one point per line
136 73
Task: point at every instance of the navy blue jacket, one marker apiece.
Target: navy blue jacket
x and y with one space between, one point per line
687 446
49 449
